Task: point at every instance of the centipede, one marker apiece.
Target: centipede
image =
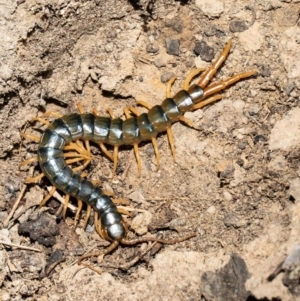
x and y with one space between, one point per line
64 131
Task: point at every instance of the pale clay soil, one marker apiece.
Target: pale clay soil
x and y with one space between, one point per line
236 179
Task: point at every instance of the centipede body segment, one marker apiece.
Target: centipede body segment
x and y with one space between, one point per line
117 132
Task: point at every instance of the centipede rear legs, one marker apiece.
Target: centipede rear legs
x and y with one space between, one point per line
132 242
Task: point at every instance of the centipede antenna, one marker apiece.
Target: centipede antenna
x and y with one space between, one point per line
160 240
97 254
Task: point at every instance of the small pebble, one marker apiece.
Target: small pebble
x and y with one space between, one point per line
259 138
237 26
165 77
227 196
241 145
109 47
206 52
172 46
211 210
152 48
175 24
159 62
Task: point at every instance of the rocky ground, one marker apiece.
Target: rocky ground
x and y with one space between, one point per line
236 179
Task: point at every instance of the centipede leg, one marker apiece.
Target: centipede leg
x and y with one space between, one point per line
49 195
135 146
29 161
156 151
66 203
97 254
171 143
30 137
153 139
169 85
87 216
52 114
207 102
115 155
34 179
41 120
79 209
190 76
138 158
106 152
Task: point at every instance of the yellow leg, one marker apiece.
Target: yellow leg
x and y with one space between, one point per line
80 108
144 104
111 114
31 137
41 120
71 161
169 85
135 145
76 155
207 101
86 163
52 114
171 142
95 112
124 211
88 214
134 111
138 158
49 195
188 121
121 201
79 209
214 88
29 161
34 179
66 203
210 72
116 151
157 155
106 152
76 146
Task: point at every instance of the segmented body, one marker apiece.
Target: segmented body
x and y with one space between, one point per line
109 131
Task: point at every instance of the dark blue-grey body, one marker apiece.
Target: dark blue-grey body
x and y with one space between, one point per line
110 131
